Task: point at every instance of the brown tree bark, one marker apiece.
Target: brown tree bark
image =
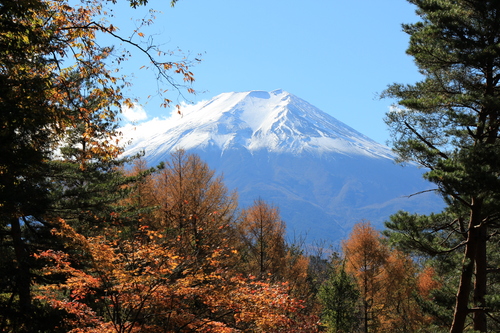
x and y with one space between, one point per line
480 283
465 286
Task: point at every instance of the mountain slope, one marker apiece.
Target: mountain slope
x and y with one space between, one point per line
275 121
323 174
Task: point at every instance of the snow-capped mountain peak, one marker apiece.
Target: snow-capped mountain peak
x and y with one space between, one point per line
255 120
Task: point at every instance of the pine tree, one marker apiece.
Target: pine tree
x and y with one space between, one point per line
449 123
26 118
86 173
339 296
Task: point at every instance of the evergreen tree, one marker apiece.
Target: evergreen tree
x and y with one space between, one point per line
339 296
449 123
26 119
86 173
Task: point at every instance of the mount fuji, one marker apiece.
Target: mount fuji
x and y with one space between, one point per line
323 175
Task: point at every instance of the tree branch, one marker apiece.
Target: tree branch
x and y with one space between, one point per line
421 138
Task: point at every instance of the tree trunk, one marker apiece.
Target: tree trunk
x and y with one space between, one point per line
23 280
480 284
464 288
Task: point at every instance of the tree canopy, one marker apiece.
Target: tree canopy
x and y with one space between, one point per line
60 95
449 123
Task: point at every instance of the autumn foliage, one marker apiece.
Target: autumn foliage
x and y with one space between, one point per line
142 285
390 283
175 268
86 243
90 242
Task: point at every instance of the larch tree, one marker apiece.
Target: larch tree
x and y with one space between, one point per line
389 282
266 255
263 234
194 207
449 123
400 289
365 258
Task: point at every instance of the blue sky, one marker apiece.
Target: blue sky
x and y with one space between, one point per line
337 55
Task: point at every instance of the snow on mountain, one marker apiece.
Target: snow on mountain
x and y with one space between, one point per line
324 175
277 122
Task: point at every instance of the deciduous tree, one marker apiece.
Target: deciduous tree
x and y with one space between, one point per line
142 285
263 234
400 311
194 206
388 283
365 259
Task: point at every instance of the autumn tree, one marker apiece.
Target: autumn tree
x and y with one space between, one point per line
401 286
449 123
263 234
434 300
390 283
192 205
266 255
365 259
48 55
414 235
141 284
296 272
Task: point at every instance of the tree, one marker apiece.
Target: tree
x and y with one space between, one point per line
48 57
419 237
24 127
388 282
140 284
263 235
432 292
194 206
365 259
295 270
400 292
339 297
449 123
87 180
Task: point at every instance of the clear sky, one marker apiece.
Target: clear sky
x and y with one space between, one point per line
335 54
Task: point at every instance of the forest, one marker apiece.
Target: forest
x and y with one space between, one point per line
93 242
